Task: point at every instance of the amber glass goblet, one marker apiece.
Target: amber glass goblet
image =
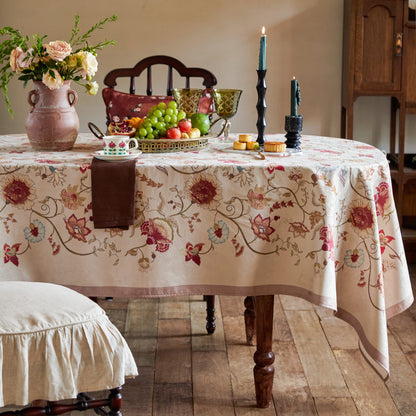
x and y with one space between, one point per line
226 105
187 99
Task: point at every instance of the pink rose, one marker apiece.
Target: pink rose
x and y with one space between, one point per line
58 50
15 57
51 82
26 59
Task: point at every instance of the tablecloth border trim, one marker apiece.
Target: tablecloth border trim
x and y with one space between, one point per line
218 290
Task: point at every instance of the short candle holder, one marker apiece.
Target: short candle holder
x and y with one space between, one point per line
293 126
261 105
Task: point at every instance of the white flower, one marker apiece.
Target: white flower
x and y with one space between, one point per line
89 64
92 88
58 50
51 82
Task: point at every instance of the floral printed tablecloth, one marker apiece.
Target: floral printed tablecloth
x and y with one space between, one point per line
320 225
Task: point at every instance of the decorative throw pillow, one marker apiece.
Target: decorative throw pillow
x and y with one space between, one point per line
120 105
206 102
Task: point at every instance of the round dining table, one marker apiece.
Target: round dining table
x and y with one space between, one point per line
320 224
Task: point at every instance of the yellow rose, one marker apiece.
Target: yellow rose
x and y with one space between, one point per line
51 82
58 50
72 61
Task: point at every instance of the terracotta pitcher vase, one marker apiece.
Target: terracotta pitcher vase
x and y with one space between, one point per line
52 123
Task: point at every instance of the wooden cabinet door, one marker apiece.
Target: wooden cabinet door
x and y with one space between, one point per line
377 69
409 49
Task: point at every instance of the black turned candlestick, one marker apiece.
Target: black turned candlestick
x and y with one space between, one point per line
293 126
261 105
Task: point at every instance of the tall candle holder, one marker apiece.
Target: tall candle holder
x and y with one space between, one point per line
261 105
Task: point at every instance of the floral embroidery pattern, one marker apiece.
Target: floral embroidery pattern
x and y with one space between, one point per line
10 253
261 227
77 228
218 234
204 190
35 232
361 217
354 258
192 253
18 191
384 240
190 206
156 234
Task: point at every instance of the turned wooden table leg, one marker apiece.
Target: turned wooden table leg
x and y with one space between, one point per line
250 320
210 300
264 357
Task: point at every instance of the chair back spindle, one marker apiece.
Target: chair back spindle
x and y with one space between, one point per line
132 85
170 81
149 80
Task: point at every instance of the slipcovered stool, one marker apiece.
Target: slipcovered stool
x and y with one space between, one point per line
54 344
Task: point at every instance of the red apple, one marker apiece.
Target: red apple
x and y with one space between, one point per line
173 133
185 125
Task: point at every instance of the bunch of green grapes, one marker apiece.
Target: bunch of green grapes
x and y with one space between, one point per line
159 119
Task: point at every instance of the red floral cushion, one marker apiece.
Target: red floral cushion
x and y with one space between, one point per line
206 103
120 105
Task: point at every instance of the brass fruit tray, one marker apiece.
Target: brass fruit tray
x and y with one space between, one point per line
168 146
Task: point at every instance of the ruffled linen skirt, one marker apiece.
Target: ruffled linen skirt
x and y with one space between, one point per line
56 343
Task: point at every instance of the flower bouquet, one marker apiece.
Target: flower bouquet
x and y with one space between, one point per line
51 66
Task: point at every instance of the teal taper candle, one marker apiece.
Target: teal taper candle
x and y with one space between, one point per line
293 97
262 53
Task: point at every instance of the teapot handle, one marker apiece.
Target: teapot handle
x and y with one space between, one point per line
32 99
72 97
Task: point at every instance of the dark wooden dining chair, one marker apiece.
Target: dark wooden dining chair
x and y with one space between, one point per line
121 104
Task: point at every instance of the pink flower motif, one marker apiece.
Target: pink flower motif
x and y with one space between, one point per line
384 240
156 234
298 229
380 283
76 228
256 199
192 252
261 227
70 198
112 145
272 168
381 197
10 253
122 144
327 236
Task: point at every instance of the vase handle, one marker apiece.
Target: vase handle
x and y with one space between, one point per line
32 99
72 97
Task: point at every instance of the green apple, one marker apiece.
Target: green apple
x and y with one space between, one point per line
201 122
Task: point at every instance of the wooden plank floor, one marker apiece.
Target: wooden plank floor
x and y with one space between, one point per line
319 369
